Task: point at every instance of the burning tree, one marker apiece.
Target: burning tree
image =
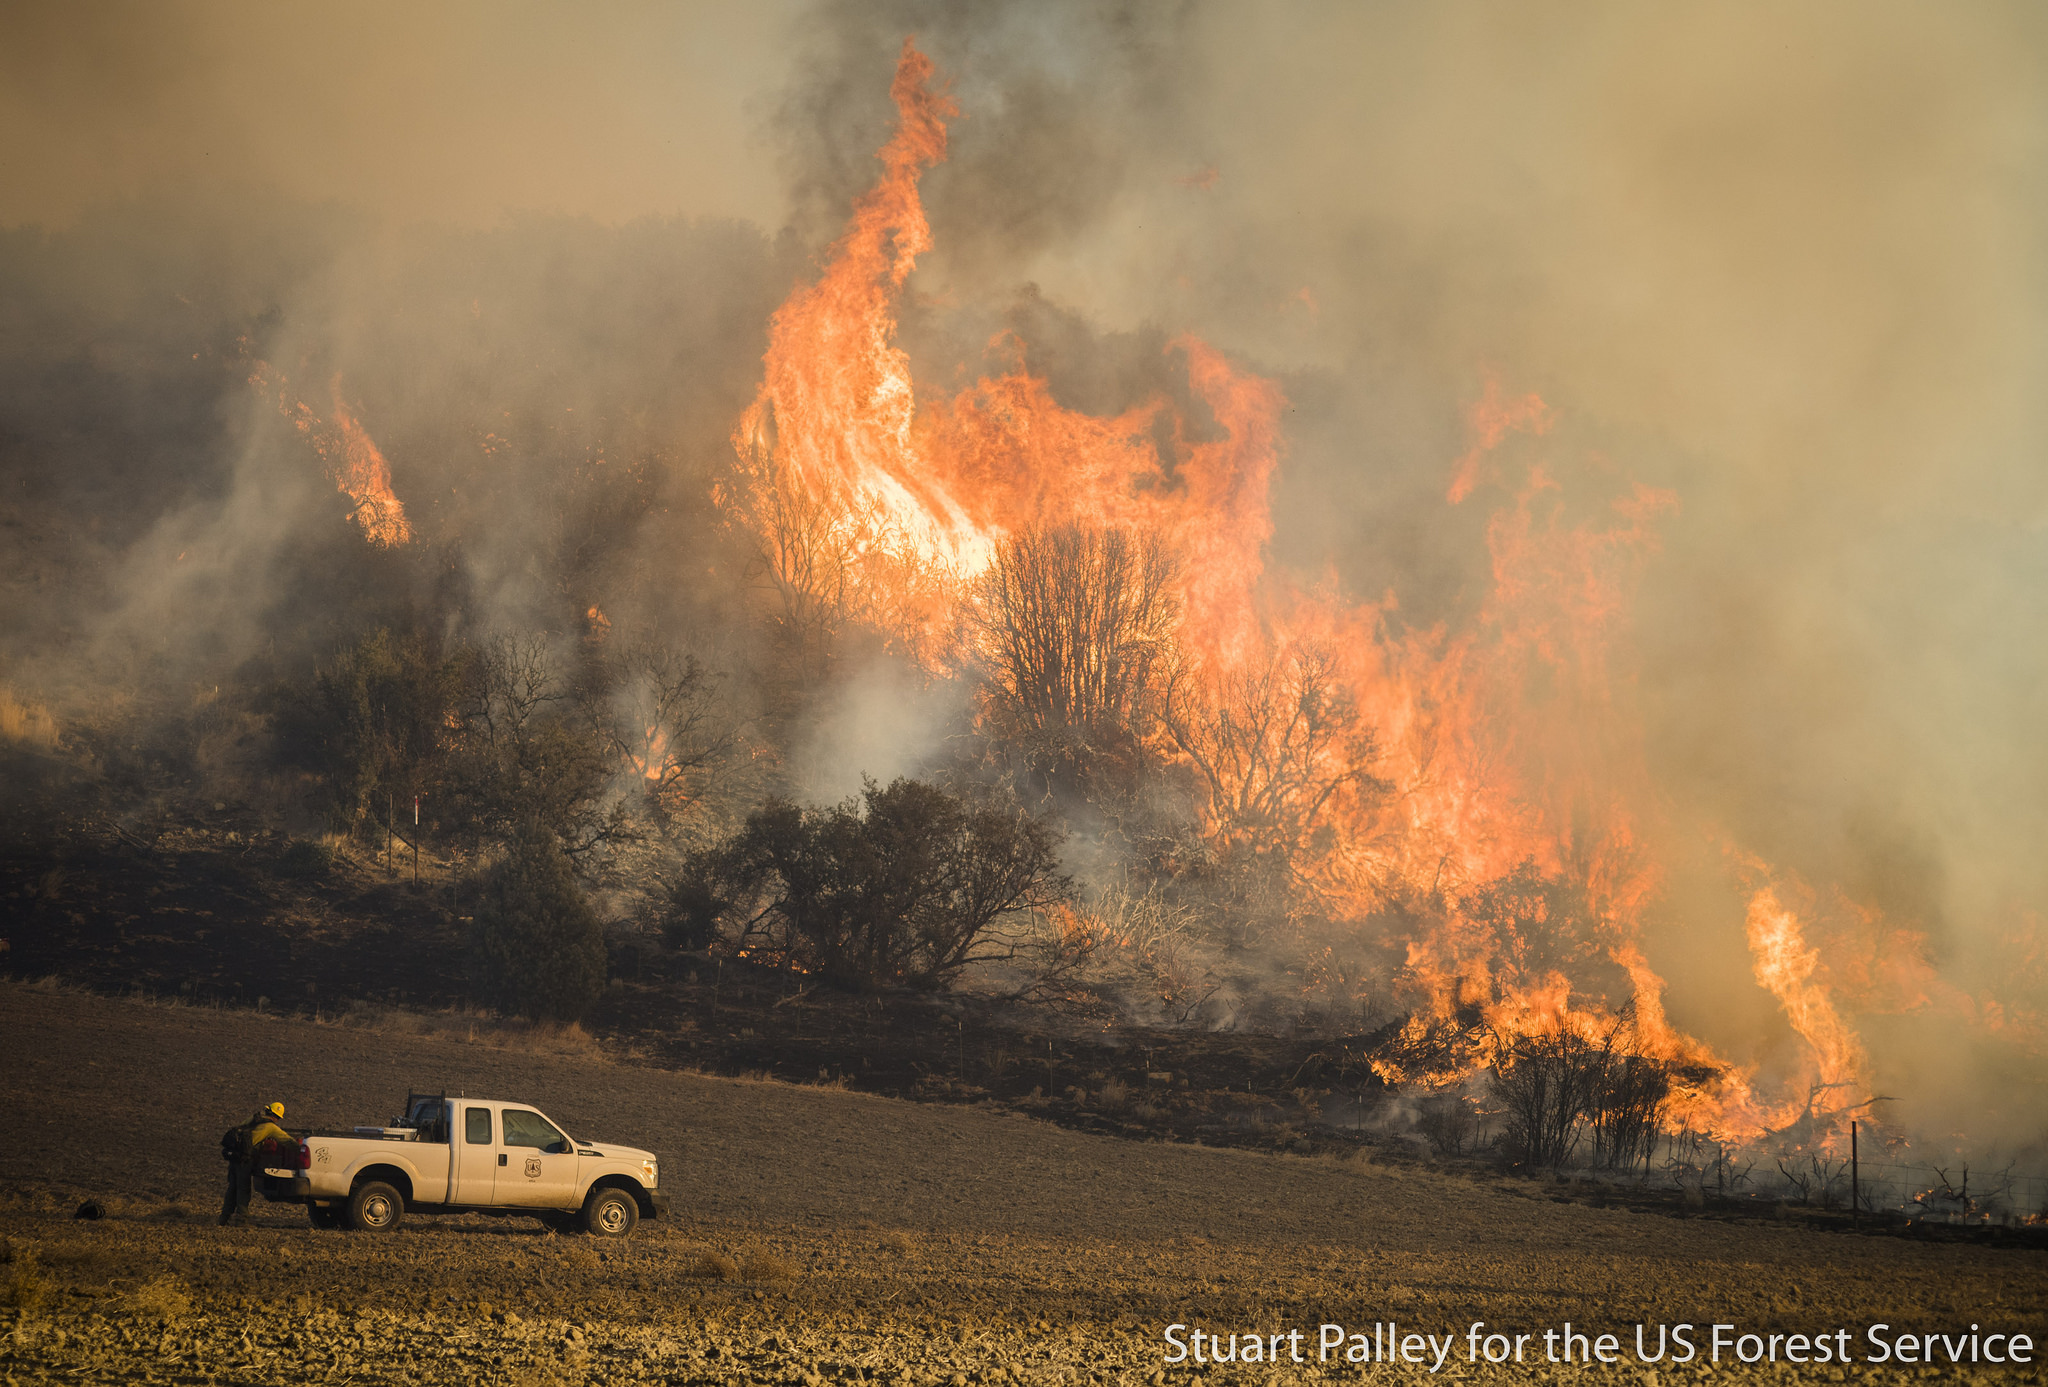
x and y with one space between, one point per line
1275 743
662 714
905 886
1070 624
1542 926
833 563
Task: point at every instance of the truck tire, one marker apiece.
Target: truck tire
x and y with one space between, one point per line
375 1207
328 1215
610 1213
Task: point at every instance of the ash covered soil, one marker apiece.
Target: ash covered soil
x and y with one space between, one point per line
822 1235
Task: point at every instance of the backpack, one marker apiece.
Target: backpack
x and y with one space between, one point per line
234 1143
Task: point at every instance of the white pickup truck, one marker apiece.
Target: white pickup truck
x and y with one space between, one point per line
467 1155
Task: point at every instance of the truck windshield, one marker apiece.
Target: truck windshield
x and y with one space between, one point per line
523 1128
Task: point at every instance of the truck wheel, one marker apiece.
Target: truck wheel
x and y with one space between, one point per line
610 1214
327 1215
375 1207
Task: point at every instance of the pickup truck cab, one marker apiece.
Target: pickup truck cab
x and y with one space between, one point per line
467 1155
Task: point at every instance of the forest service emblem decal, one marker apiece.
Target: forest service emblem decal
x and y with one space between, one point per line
533 1167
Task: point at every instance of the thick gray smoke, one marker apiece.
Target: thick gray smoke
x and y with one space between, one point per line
1786 263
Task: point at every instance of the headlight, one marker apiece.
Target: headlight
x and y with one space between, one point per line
647 1169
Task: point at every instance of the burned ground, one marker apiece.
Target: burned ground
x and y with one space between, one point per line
819 1234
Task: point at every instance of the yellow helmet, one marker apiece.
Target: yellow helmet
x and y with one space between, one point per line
275 1110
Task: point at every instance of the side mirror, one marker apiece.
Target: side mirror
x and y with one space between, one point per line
558 1148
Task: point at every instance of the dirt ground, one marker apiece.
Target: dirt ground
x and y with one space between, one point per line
826 1235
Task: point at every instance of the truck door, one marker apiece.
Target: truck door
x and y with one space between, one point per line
476 1156
539 1170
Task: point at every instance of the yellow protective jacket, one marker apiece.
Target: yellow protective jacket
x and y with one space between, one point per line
260 1132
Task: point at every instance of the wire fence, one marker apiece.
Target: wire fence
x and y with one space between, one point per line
1958 1192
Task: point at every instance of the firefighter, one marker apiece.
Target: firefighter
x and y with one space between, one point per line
239 1146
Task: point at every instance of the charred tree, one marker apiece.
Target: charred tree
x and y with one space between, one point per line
1544 1084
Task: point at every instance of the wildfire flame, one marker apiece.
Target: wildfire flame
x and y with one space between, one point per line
1785 964
361 473
350 455
1506 746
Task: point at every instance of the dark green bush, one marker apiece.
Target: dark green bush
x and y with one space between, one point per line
537 949
905 886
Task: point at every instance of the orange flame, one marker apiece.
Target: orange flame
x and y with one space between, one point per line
1510 747
1785 964
350 455
361 474
651 761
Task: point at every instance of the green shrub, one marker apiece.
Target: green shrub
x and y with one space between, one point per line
902 887
538 948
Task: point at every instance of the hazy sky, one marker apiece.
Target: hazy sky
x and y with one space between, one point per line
454 110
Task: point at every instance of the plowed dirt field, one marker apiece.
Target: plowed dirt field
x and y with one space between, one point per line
826 1236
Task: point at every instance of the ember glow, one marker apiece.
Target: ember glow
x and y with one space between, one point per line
1501 789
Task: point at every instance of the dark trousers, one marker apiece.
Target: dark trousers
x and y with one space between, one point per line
234 1206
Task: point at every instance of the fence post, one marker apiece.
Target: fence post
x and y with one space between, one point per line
1855 1180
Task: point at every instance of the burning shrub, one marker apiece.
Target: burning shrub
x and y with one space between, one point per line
1542 925
907 885
1544 1082
1560 1083
538 947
